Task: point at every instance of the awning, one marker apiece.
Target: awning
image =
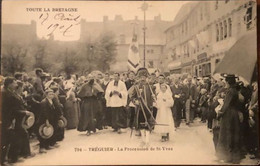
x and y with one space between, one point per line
174 65
241 58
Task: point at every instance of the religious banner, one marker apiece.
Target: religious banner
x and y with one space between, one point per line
133 54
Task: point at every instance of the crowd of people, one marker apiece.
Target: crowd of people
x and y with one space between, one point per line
43 107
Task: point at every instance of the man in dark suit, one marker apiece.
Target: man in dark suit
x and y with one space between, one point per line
21 146
130 106
107 112
177 107
8 108
38 85
189 91
13 108
50 114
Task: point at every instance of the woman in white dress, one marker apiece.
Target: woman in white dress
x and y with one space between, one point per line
164 117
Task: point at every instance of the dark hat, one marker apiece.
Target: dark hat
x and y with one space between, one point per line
230 78
17 75
142 72
228 75
46 131
8 81
62 122
28 120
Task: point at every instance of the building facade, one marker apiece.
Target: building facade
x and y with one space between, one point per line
123 31
198 40
90 31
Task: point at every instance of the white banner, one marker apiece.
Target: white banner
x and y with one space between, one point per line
133 55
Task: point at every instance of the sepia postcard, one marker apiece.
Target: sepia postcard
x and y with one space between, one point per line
129 82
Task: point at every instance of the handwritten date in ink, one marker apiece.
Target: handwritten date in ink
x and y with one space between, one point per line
60 22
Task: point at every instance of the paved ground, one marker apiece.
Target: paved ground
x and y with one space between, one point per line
189 145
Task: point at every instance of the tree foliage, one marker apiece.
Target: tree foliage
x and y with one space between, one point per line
55 57
13 58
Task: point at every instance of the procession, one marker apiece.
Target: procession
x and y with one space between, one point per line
178 86
144 103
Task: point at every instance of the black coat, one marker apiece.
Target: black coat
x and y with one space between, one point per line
189 91
12 107
229 136
49 111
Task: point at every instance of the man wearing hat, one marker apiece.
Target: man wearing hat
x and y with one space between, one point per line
14 107
228 147
38 85
21 146
8 97
50 114
142 96
18 76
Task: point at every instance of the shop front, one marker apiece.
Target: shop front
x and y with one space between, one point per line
175 67
203 65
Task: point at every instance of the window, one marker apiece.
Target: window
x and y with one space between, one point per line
229 27
221 31
217 61
248 17
150 64
226 1
208 69
225 29
217 32
148 51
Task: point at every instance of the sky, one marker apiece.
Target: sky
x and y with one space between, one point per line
22 12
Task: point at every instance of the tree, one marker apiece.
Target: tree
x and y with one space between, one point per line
40 55
70 63
107 51
13 58
98 54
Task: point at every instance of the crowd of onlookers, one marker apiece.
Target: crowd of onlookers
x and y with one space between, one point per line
42 106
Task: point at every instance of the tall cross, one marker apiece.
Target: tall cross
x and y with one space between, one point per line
144 7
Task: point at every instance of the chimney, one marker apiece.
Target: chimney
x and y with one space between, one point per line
157 18
118 18
105 18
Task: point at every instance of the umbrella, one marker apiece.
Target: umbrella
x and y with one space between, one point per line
241 58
